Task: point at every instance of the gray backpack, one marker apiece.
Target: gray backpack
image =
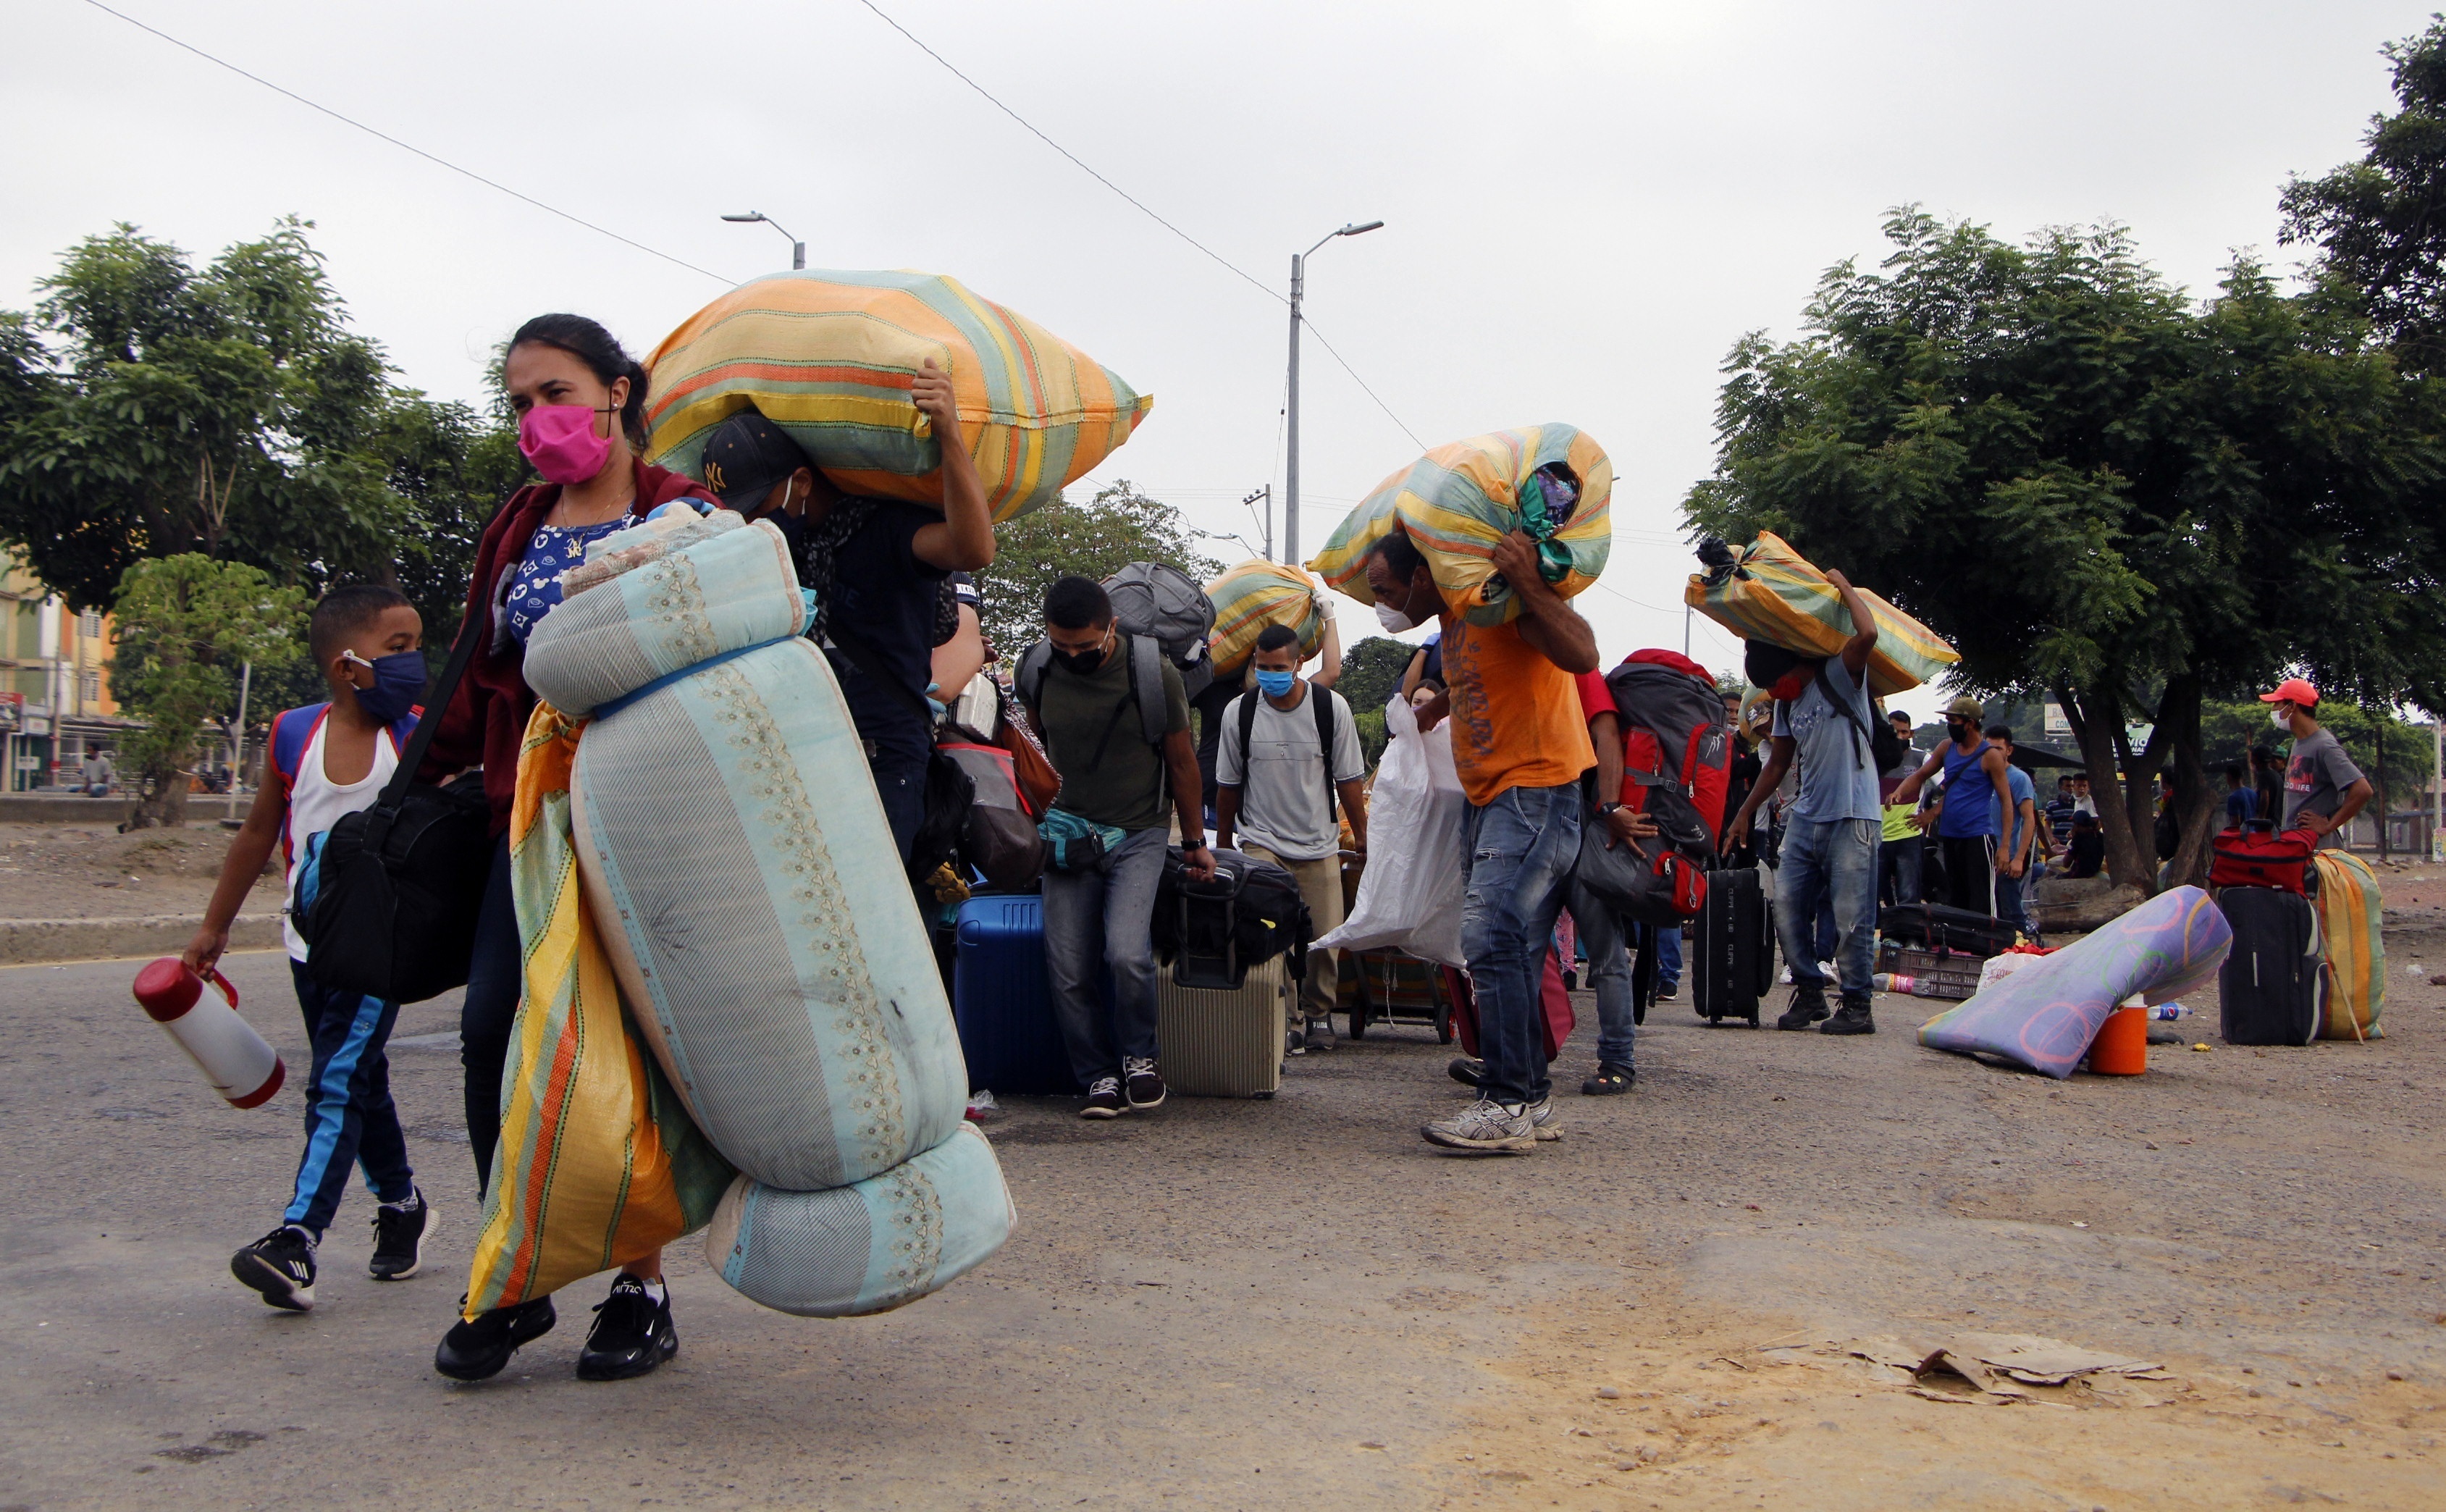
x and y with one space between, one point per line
1158 601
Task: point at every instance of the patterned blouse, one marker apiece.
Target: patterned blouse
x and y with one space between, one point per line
536 588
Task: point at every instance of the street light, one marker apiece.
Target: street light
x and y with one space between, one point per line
1290 467
798 248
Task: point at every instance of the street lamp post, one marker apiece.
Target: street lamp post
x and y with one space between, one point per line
1290 458
798 248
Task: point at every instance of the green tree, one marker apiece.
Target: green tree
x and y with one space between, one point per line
185 625
2097 487
2377 222
1120 525
1371 673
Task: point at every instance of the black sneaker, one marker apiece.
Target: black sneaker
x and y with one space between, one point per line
281 1266
1104 1098
1667 991
1808 1007
1852 1018
632 1333
477 1351
1468 1071
1609 1081
1319 1035
1145 1083
400 1232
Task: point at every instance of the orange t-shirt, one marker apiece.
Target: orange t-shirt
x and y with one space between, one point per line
1515 716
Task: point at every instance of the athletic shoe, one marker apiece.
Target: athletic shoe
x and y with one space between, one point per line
1541 1118
1294 1043
476 1349
400 1232
1609 1081
1320 1034
1145 1081
1808 1005
281 1266
1468 1071
1667 991
1485 1127
1853 1018
632 1333
1104 1098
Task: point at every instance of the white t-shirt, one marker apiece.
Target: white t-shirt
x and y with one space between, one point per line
1281 776
315 804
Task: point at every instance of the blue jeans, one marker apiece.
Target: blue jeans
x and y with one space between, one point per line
349 1117
1105 917
1668 960
1829 862
1602 936
1521 850
2009 902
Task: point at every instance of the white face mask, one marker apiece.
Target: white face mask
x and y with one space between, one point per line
2279 718
1393 619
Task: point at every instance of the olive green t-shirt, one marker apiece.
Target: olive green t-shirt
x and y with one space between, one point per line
1126 787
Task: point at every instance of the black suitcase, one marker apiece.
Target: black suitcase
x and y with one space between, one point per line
1732 955
2267 990
1937 927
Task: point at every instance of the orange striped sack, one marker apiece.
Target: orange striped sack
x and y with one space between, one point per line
598 1162
1772 593
830 356
1253 596
2350 913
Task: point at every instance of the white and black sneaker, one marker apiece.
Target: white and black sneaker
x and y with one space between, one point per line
1541 1118
1144 1083
1104 1098
1485 1127
400 1232
281 1266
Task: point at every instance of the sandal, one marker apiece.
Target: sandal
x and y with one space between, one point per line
1609 1081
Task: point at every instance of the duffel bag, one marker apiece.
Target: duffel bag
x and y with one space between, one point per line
996 836
2254 855
1247 914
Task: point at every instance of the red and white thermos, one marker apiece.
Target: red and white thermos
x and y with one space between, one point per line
237 1060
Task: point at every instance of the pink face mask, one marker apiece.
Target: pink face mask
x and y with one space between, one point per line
561 441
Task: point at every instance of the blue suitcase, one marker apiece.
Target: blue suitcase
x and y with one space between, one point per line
1003 1001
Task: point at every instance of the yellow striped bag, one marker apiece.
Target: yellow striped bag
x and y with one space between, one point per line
1253 596
829 357
1458 500
2350 913
598 1163
1773 594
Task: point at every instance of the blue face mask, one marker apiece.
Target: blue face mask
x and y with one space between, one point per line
1275 684
399 681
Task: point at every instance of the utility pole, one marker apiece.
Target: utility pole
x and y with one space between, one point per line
238 741
1265 516
1291 456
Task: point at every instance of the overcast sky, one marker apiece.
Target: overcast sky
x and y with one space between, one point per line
1585 203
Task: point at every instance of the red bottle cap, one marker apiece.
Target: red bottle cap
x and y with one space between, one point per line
167 988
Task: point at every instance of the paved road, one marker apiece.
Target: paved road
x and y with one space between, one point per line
1294 1303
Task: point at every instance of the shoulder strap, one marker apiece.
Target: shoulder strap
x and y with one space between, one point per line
1247 706
290 736
1146 686
1843 706
1323 699
1029 678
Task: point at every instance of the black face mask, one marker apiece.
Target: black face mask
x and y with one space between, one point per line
1958 730
1080 662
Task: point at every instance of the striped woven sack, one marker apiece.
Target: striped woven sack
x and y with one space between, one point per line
2350 913
1253 596
598 1163
751 903
1772 593
830 356
1460 498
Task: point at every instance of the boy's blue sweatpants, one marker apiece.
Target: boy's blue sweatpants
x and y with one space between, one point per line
349 1117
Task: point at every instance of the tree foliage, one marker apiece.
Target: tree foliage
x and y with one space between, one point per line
185 625
1372 671
151 408
2094 485
1094 539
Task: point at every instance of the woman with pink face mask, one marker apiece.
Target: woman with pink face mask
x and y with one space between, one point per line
581 404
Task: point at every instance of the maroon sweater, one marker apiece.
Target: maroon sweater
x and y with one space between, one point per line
487 716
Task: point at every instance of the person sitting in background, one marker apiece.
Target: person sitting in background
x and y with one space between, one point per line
2240 801
2086 855
1275 784
97 773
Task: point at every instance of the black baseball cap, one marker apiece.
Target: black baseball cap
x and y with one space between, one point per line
746 457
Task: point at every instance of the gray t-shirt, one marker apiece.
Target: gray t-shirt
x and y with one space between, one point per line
2316 778
1281 776
1838 772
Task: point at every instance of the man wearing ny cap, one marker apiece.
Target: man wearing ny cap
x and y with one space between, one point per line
2322 788
879 570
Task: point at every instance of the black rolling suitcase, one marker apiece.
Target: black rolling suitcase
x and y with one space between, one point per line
1732 955
2267 990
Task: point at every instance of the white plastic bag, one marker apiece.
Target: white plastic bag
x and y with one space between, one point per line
1410 895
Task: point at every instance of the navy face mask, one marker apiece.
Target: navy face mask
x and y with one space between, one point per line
399 681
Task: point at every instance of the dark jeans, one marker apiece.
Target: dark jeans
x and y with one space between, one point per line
349 1117
1522 849
900 782
1606 938
1105 917
1971 873
496 981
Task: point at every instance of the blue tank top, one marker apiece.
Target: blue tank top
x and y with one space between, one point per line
1967 814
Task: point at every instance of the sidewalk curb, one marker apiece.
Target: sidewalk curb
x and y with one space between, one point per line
61 939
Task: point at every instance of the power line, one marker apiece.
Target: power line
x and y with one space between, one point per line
403 146
1363 382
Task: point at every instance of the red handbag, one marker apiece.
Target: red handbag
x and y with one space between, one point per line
2254 855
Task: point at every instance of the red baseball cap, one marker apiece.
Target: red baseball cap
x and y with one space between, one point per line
2295 692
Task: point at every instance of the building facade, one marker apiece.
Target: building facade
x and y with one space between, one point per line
55 700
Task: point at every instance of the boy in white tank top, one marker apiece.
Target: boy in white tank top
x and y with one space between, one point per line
325 761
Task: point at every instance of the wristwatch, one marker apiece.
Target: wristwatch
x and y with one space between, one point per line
1608 809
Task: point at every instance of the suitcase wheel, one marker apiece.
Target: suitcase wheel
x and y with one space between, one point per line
1443 1023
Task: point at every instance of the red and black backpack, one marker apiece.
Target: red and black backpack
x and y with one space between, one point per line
1675 733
